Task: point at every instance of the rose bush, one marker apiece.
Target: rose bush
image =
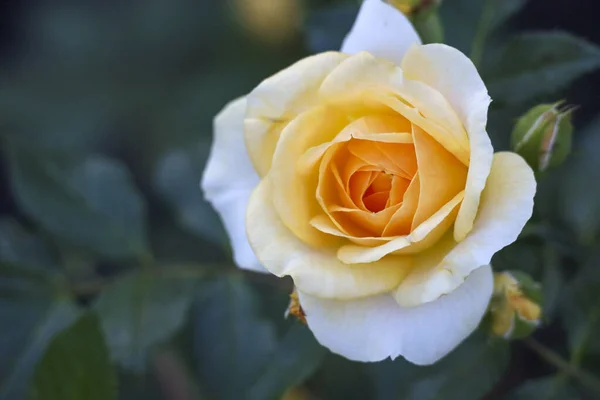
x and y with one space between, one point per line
368 177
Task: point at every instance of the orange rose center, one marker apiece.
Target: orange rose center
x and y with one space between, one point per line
387 178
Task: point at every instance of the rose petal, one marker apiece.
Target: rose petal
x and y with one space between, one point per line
315 271
451 73
375 328
381 30
229 179
278 99
423 237
294 198
441 176
506 205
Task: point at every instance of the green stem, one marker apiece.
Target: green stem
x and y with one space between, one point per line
483 29
585 378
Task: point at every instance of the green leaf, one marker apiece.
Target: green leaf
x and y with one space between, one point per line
232 340
296 358
177 178
581 311
27 328
17 245
469 372
579 199
548 388
534 65
552 282
76 365
461 19
504 10
392 379
143 310
93 203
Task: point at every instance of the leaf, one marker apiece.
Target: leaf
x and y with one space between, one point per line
548 388
504 10
76 365
469 372
296 358
92 203
38 323
392 378
579 199
552 282
327 28
232 340
534 65
461 19
143 310
177 178
17 245
581 311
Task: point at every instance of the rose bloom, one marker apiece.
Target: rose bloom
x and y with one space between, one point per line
368 177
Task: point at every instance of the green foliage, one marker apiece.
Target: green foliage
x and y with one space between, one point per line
69 198
297 357
177 178
76 365
233 341
115 277
552 388
534 65
142 310
24 343
470 372
579 202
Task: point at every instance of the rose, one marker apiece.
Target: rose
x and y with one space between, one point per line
369 178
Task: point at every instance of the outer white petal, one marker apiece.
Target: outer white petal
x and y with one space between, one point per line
229 179
375 328
451 73
506 206
381 30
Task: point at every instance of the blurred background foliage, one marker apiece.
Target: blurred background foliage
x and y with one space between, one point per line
116 279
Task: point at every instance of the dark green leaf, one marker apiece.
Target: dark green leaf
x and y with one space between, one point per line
581 311
92 204
297 357
177 178
469 372
76 365
142 310
505 9
339 378
392 379
38 322
552 281
551 388
579 199
534 65
460 19
232 340
20 246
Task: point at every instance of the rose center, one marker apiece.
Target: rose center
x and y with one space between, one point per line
377 195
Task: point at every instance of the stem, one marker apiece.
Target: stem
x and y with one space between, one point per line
585 378
483 29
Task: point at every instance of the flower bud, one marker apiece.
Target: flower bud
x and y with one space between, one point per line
516 305
543 135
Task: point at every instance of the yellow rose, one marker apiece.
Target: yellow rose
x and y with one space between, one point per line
368 177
